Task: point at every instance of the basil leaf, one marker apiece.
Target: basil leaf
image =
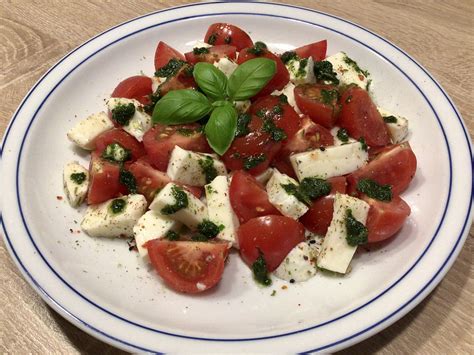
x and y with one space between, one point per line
220 129
249 78
181 106
211 80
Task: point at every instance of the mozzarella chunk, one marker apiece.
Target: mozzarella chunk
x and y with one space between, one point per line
156 82
332 161
193 214
242 106
226 66
299 265
336 254
398 130
152 225
76 183
220 210
337 141
284 202
289 92
301 70
265 176
101 221
190 168
139 123
86 131
347 70
201 44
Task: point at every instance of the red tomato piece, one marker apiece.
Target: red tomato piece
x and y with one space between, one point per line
189 267
182 80
360 117
160 140
316 50
310 136
164 54
273 236
255 144
104 180
319 102
279 80
215 53
395 166
319 216
385 218
121 137
224 33
248 197
136 87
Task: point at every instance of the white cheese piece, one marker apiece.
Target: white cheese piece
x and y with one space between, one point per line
336 254
220 210
75 192
332 161
398 130
242 106
337 141
139 123
265 176
289 92
100 221
226 66
301 70
188 167
348 72
156 82
284 202
299 265
191 215
201 44
152 225
86 131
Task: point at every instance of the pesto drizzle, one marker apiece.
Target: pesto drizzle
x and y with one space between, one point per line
374 190
181 201
357 233
78 178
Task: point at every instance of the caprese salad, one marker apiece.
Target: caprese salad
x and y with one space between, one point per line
284 157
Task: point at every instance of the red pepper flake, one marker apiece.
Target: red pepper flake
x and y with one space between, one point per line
59 198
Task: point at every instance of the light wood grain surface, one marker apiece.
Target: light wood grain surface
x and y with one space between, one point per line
439 34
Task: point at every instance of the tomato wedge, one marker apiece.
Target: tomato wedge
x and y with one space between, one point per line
248 197
316 50
164 53
137 87
182 80
274 236
104 180
215 53
189 267
319 102
121 137
385 218
224 33
395 166
360 117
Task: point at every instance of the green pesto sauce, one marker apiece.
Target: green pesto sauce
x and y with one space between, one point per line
258 49
117 205
78 178
292 189
242 125
302 68
342 135
172 235
208 169
253 161
314 187
170 69
209 229
363 144
202 50
114 152
260 271
329 97
126 178
372 189
356 67
390 119
187 132
276 133
323 71
123 113
212 39
283 99
357 233
289 56
181 201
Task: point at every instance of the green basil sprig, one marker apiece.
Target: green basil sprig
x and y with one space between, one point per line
186 106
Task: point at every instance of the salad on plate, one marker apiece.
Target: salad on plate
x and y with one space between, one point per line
283 156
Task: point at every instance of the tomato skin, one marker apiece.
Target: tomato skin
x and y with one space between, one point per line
248 197
274 236
104 180
319 216
215 53
183 265
385 218
309 100
311 135
316 50
225 33
360 117
255 143
279 80
395 166
164 53
182 80
135 87
160 140
121 137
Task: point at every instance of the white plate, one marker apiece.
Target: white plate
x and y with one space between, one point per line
102 288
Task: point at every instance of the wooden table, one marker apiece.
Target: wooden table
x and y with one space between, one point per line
440 35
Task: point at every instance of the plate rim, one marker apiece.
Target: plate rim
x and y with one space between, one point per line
401 310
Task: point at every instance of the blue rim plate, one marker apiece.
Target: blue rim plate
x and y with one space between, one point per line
103 289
